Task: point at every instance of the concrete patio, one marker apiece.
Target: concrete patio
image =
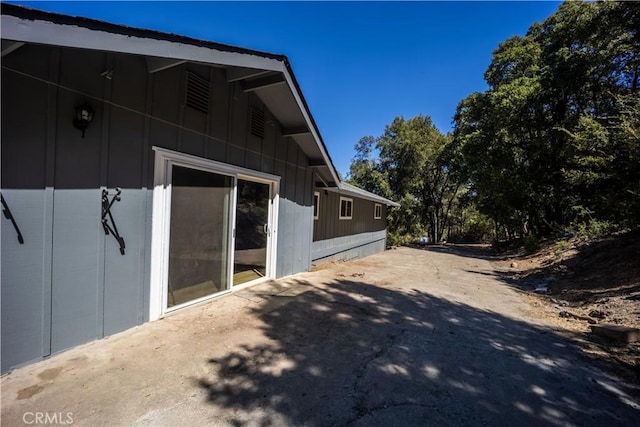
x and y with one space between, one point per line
406 337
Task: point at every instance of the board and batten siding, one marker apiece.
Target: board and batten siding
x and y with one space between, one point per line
336 239
68 283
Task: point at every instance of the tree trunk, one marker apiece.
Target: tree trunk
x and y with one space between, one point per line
434 227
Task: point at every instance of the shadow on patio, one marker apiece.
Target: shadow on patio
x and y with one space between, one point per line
352 353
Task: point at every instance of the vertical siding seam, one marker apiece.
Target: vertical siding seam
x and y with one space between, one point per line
231 112
207 125
50 162
106 120
104 174
181 106
285 172
269 117
145 272
310 221
52 130
247 130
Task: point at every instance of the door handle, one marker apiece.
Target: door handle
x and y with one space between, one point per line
265 228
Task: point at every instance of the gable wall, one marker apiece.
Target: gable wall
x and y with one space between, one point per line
68 283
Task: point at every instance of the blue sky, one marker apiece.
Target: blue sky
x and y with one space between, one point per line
360 64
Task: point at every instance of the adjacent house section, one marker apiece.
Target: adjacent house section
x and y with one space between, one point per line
145 172
348 223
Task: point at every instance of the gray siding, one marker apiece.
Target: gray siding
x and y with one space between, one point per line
348 247
68 283
26 286
27 182
295 219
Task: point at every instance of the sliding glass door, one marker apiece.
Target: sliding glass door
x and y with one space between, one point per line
252 231
213 229
198 234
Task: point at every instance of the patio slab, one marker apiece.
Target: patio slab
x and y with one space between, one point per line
406 337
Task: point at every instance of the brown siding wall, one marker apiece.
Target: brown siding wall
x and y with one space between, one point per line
329 225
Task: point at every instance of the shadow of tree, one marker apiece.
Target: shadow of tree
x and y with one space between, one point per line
596 269
468 250
352 353
618 358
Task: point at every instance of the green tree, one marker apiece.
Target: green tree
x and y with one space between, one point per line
408 163
365 170
553 140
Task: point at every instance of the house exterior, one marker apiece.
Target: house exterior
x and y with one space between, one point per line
144 172
348 223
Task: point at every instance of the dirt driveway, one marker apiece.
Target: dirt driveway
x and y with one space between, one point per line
407 337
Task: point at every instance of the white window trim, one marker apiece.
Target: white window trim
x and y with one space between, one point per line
375 211
349 200
160 230
316 199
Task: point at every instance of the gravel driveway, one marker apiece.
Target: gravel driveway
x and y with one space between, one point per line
407 337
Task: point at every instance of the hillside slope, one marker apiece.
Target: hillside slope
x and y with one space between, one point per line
587 282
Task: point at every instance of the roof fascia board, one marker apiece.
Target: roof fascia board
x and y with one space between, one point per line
74 36
360 193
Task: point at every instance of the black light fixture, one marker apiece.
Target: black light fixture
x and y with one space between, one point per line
84 115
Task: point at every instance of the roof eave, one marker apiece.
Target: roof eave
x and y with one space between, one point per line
351 190
27 25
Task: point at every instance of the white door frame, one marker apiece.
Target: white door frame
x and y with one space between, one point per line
161 213
270 260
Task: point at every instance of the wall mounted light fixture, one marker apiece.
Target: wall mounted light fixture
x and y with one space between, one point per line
84 116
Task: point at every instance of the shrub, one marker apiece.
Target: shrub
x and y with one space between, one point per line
561 247
531 244
593 229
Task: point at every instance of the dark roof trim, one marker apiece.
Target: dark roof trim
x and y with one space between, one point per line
28 13
351 190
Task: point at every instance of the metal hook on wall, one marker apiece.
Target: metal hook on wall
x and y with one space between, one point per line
7 214
106 212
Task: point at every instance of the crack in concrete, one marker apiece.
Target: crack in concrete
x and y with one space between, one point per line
359 391
248 299
392 405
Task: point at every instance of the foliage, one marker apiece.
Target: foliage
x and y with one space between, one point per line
561 247
595 229
411 168
468 225
365 170
531 244
554 141
551 147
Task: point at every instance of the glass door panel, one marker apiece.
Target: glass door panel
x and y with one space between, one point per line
252 232
198 234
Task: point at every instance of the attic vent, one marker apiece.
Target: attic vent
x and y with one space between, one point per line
257 122
197 92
